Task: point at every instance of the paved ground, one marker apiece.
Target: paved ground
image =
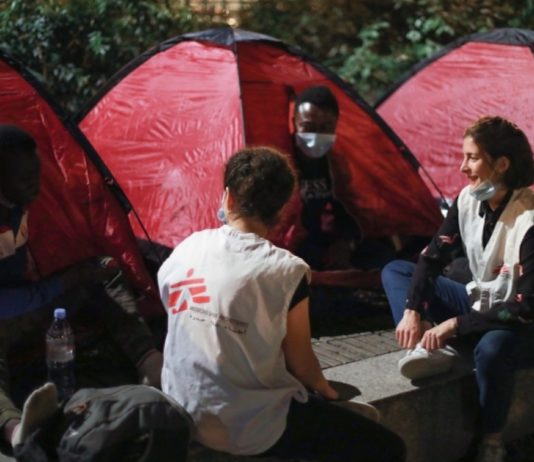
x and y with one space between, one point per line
342 336
344 349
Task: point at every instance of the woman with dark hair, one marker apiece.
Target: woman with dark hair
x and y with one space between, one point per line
493 221
238 354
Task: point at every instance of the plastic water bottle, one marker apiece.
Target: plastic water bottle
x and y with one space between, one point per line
60 354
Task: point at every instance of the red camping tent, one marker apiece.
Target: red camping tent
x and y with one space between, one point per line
76 215
483 74
166 123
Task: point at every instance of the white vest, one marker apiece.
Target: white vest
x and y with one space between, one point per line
227 295
496 267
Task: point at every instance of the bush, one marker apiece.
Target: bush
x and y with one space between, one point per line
371 43
75 46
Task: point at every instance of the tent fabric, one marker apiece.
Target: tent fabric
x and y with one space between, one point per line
167 122
76 215
166 150
478 75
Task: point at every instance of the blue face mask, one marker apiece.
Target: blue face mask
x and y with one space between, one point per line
484 191
221 216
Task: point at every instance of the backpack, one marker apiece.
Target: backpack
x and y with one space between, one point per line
129 423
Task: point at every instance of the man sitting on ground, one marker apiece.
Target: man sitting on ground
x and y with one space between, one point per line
27 302
330 239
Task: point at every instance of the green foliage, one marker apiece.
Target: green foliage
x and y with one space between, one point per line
75 46
372 43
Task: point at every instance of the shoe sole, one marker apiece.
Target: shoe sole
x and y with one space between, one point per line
420 368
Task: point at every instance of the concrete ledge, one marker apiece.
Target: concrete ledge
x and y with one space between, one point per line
431 417
435 417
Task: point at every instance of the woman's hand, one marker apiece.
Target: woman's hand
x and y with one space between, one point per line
435 338
409 330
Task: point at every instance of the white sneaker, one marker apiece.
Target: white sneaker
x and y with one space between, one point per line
491 453
420 363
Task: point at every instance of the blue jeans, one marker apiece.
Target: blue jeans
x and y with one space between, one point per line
498 353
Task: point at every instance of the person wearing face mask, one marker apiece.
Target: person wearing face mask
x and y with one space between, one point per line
493 220
328 237
238 354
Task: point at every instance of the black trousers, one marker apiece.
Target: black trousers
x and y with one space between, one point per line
319 430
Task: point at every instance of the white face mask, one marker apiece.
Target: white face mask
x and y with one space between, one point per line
484 191
315 145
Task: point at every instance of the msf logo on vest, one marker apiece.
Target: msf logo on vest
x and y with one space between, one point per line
186 292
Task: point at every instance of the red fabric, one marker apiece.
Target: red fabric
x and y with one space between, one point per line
431 110
167 128
75 216
165 131
371 177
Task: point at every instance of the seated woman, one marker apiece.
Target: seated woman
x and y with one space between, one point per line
238 354
493 219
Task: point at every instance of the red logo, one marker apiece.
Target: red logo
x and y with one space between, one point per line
186 292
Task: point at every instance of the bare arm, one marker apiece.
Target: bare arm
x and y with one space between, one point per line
300 358
410 329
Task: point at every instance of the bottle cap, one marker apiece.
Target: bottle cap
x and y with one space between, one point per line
60 313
